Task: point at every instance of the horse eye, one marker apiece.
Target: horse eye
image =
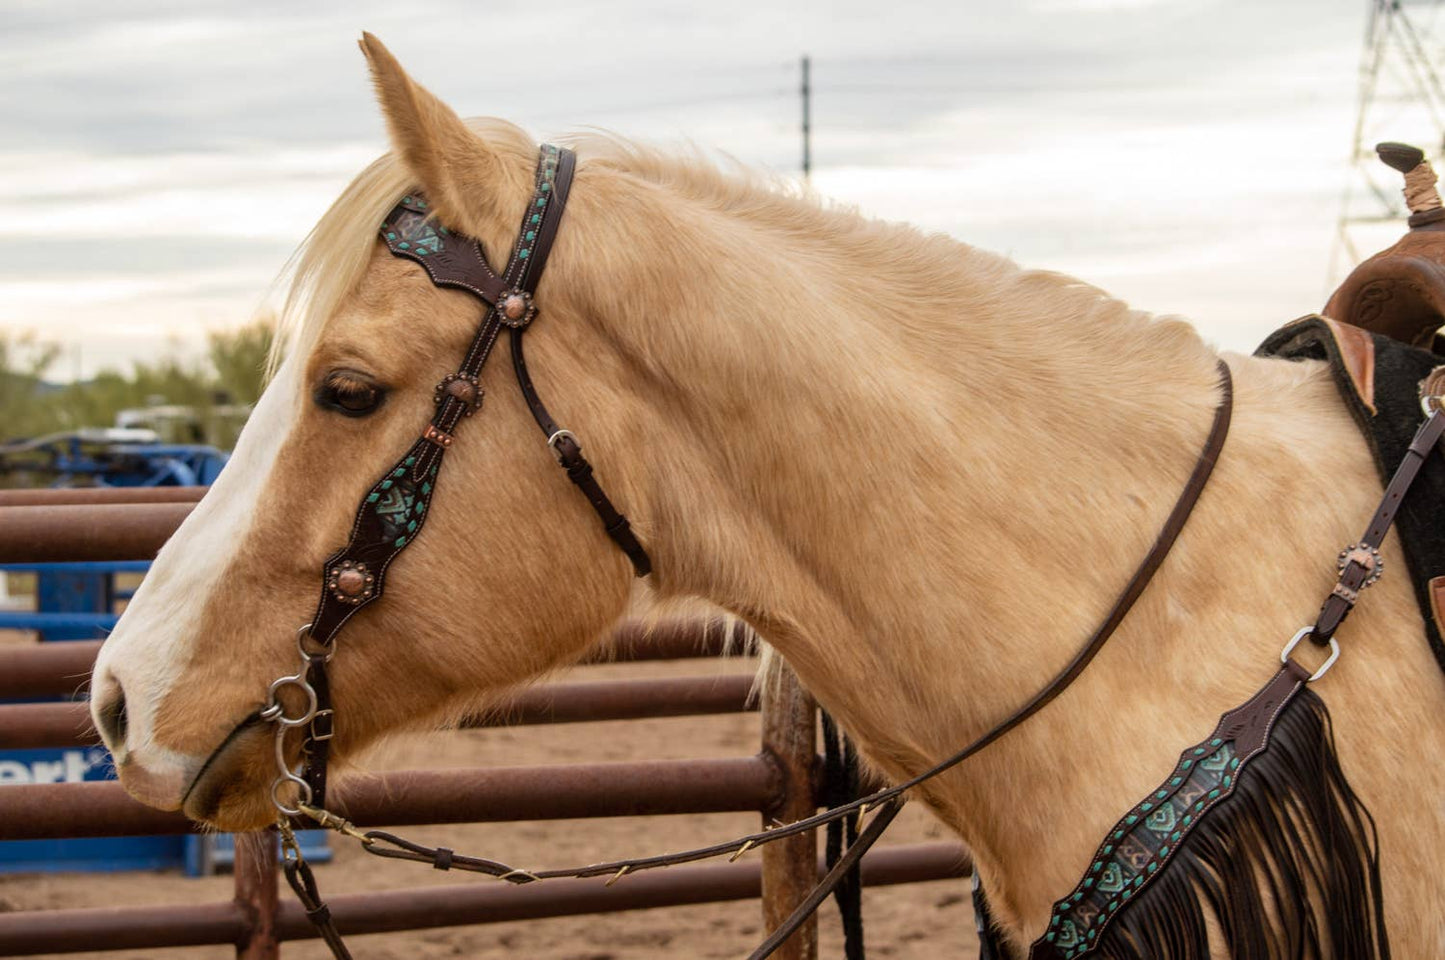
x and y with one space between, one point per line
351 393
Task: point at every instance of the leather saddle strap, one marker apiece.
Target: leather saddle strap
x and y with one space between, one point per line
1361 566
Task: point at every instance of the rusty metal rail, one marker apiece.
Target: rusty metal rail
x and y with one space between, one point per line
65 496
132 928
61 669
782 781
25 725
642 788
43 534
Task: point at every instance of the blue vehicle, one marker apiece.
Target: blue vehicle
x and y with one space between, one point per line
108 457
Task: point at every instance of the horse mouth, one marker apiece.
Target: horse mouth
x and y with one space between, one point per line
228 777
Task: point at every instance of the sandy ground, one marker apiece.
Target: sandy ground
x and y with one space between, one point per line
932 920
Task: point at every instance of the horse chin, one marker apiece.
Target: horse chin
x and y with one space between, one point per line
232 790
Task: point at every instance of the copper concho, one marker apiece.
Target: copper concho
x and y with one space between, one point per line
515 308
465 388
1367 557
351 582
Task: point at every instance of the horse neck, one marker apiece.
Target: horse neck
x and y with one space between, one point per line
900 459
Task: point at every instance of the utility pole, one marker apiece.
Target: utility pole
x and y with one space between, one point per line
1401 98
807 119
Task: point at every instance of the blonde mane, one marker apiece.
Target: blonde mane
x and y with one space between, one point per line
330 261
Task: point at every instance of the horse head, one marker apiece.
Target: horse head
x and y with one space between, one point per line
514 574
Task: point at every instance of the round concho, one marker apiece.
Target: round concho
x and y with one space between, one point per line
1367 557
351 582
515 308
465 388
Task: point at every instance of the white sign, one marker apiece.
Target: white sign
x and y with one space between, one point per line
71 767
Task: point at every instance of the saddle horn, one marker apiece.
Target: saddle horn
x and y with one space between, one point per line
1400 292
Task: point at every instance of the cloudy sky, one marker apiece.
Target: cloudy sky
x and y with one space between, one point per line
158 161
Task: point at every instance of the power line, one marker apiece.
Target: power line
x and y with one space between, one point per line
1400 67
807 92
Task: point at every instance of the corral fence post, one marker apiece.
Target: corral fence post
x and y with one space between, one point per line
256 868
790 866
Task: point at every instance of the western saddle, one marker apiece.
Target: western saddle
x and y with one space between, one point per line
1400 291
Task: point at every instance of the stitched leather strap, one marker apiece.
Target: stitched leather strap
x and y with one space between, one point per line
394 511
569 455
1361 566
316 748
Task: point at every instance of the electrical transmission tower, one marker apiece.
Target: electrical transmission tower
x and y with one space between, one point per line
1401 98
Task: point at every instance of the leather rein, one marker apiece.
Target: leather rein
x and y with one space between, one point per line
393 511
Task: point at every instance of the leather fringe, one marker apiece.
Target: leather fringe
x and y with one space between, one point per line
1288 867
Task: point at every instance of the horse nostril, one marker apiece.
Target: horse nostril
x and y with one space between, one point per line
110 717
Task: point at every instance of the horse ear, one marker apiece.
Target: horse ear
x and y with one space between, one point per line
459 172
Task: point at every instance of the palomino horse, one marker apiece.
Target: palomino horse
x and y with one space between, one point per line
920 471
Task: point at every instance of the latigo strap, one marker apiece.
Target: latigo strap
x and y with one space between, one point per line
1360 563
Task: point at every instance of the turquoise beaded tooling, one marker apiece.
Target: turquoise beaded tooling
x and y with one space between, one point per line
1141 843
1261 798
393 512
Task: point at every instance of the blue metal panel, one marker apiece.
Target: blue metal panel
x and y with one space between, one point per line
64 591
79 566
212 853
69 626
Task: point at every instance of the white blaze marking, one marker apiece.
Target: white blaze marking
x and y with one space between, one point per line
150 642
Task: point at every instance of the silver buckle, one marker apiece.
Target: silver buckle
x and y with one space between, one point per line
330 715
555 438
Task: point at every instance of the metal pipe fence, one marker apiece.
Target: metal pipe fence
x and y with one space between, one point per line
782 782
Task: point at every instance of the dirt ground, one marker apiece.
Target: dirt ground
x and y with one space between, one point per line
931 921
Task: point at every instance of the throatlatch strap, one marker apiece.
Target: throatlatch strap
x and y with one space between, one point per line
568 451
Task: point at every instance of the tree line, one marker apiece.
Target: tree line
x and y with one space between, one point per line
231 372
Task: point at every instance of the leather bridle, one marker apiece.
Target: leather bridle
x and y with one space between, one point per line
393 512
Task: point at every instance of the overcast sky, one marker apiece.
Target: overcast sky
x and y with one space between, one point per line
158 161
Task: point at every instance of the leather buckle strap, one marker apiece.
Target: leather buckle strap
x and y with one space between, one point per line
1360 563
568 450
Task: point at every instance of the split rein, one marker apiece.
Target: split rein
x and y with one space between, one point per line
392 513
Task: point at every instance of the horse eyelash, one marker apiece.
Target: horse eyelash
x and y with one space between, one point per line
348 384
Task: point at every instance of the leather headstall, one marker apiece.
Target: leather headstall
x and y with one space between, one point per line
392 513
